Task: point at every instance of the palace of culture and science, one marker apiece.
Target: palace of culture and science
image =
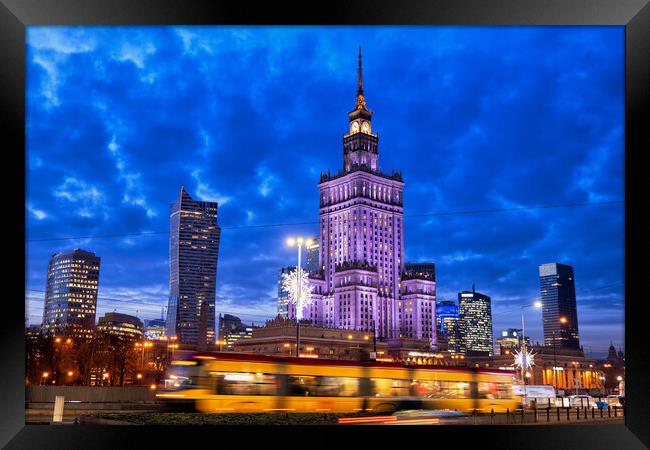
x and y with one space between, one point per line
361 284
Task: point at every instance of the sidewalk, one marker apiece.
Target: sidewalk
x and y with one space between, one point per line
552 418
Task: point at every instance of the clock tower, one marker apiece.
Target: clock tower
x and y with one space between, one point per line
360 145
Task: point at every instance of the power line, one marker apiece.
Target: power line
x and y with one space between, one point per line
134 305
240 227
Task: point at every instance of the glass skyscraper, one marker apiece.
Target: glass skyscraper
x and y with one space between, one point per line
71 294
283 294
445 309
455 334
476 310
313 256
193 252
559 312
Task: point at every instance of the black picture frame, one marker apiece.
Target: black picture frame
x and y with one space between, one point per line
634 15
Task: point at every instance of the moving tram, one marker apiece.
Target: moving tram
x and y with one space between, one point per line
213 382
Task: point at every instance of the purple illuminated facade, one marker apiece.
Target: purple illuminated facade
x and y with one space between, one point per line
359 285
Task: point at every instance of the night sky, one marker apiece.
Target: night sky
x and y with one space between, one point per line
118 118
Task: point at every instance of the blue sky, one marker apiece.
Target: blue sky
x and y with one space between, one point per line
118 118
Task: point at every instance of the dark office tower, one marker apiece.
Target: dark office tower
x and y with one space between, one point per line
193 251
283 294
476 310
71 294
559 313
313 255
423 270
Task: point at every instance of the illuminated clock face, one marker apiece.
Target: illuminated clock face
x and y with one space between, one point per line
355 127
365 127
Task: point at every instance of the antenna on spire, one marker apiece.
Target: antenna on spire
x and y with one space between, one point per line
360 75
361 102
474 287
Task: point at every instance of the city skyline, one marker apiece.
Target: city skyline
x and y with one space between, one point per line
252 186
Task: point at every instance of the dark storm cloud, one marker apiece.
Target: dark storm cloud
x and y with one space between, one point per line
475 117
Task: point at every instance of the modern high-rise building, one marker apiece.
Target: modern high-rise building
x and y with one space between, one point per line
444 309
121 326
313 255
455 334
476 310
71 294
231 330
283 294
361 241
510 340
193 252
559 312
154 329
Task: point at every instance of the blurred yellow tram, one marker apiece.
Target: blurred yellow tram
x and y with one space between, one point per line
237 382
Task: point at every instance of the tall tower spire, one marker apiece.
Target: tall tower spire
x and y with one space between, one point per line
361 101
360 146
360 75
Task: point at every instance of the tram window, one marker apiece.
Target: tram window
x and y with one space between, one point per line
390 387
441 389
245 383
493 390
182 377
302 385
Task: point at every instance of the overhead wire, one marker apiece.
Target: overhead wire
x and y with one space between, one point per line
271 225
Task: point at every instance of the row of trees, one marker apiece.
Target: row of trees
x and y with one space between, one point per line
103 360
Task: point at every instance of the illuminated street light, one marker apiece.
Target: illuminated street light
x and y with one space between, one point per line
297 285
57 340
523 353
563 320
139 376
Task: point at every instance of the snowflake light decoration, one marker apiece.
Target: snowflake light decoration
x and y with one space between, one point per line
527 360
299 290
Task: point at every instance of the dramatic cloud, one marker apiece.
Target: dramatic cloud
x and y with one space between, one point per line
475 117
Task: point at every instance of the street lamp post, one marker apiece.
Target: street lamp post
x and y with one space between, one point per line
298 294
554 364
524 354
563 321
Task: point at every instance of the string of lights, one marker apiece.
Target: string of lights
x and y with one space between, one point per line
287 224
